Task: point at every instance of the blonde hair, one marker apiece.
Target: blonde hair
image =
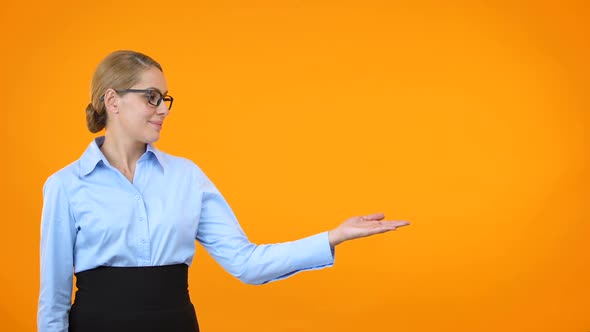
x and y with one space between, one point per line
119 70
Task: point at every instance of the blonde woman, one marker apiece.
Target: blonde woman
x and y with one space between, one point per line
124 218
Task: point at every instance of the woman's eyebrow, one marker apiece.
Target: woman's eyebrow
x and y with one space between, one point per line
160 91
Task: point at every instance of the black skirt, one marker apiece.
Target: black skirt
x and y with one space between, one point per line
114 299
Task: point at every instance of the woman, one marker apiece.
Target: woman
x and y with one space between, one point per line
124 218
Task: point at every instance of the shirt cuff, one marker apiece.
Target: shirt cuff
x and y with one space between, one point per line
313 252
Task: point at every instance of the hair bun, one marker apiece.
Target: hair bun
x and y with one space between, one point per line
95 121
90 108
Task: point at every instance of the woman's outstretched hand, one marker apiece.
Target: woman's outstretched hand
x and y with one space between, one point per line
363 226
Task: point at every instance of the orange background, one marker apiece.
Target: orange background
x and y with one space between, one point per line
469 119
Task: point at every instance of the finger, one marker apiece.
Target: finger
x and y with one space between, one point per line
374 216
395 224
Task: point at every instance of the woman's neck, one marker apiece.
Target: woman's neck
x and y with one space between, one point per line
122 154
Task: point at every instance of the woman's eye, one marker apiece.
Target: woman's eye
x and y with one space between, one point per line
152 96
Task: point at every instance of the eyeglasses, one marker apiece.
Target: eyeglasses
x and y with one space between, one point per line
154 97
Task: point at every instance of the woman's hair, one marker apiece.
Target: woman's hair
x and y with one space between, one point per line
119 70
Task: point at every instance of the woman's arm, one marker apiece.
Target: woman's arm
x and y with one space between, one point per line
221 235
58 235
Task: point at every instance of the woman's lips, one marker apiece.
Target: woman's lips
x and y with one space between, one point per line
157 124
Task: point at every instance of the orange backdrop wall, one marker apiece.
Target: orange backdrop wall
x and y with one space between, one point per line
469 119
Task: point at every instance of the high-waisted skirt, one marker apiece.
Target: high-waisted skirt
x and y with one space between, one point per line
114 299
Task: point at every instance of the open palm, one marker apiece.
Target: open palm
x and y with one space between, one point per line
362 226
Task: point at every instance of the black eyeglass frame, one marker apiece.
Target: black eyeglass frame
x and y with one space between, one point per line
162 97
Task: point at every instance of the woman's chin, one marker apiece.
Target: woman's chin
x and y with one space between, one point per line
149 139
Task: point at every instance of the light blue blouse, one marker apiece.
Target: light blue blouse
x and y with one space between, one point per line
93 216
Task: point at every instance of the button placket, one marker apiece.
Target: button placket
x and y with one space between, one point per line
144 251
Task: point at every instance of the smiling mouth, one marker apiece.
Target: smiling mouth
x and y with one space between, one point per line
158 125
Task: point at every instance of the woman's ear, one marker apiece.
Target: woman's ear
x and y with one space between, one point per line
111 101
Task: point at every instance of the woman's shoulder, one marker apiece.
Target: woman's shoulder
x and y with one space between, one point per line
65 176
178 164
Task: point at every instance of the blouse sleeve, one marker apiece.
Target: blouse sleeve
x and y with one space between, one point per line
222 236
57 246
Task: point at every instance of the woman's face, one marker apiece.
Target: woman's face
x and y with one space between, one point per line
138 119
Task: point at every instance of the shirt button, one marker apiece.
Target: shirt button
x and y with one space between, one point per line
143 241
137 198
140 218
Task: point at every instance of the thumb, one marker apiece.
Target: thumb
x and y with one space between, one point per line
374 216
